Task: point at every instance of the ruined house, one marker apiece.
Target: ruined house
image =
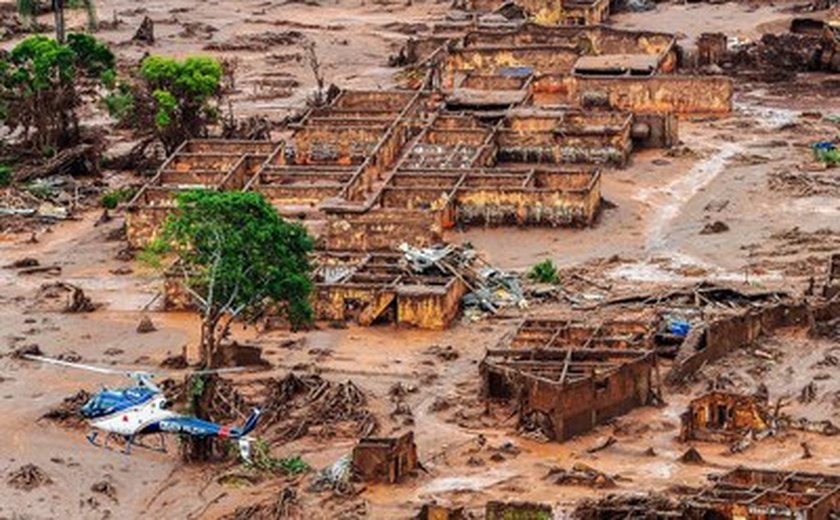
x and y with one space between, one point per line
375 169
385 460
376 288
366 289
509 126
642 332
550 12
567 392
741 494
197 164
754 494
724 417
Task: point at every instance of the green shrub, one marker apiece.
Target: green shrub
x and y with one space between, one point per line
5 175
262 460
544 272
828 156
111 199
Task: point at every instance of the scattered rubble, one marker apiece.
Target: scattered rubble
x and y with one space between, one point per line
299 405
63 297
145 326
68 413
27 478
580 475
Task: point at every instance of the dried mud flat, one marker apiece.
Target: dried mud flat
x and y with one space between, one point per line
750 171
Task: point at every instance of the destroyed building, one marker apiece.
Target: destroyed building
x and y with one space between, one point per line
425 288
741 494
567 392
198 164
509 126
639 333
546 12
755 494
385 460
724 417
376 288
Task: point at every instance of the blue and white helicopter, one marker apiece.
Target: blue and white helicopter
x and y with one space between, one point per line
142 409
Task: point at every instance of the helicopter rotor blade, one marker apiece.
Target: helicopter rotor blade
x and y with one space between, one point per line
216 371
68 364
132 373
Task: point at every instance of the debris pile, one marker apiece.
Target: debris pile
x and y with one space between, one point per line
264 41
68 413
285 505
776 57
628 506
489 288
299 405
28 477
580 475
63 297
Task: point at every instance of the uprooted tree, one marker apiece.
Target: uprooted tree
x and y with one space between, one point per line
170 100
40 82
238 259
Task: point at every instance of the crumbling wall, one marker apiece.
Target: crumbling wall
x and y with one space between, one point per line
335 144
377 229
729 333
385 460
143 224
723 417
527 206
581 406
175 295
490 61
429 309
641 94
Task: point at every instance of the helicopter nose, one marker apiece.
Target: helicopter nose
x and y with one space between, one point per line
87 410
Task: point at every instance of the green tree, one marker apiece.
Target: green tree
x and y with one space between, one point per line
38 86
171 99
238 259
31 8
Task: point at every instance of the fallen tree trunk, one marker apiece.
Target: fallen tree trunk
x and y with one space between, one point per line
77 161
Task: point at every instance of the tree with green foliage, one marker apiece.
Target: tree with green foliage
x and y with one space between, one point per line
31 8
174 100
238 259
39 82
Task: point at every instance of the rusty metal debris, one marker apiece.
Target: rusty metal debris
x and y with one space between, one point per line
489 288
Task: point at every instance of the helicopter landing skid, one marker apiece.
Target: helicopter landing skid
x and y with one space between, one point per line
129 442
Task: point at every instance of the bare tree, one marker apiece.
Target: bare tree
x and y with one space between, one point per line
314 64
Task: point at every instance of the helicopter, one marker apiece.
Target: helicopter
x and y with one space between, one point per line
140 410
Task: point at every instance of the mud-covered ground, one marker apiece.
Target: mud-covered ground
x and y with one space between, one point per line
752 172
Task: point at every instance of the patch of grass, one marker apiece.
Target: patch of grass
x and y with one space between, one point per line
544 272
6 172
111 199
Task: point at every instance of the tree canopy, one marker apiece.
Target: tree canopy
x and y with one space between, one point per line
38 86
238 258
176 100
